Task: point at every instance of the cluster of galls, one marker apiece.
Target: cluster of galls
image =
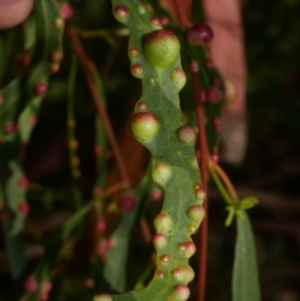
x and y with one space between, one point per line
161 48
201 35
163 223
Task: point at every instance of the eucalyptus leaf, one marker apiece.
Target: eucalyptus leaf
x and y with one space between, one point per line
245 285
157 124
73 222
116 257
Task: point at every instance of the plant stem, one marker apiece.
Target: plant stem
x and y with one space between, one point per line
220 186
216 169
203 170
113 189
182 18
104 33
145 230
83 59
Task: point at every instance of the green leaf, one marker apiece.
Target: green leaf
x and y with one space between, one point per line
70 225
156 125
16 254
245 285
30 32
231 213
116 257
248 203
16 195
14 246
24 119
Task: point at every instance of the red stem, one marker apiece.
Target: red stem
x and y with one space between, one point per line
180 13
84 60
203 169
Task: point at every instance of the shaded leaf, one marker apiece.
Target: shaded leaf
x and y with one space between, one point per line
245 285
70 225
15 247
16 195
116 257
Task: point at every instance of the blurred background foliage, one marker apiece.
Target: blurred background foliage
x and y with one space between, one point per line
271 170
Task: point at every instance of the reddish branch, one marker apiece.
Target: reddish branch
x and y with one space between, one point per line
204 158
181 14
84 60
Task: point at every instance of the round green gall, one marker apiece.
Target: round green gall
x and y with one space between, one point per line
196 214
160 274
133 52
183 274
161 173
121 13
179 78
102 297
144 126
181 292
142 106
165 259
159 240
200 192
187 248
155 22
161 48
137 71
163 223
191 229
187 134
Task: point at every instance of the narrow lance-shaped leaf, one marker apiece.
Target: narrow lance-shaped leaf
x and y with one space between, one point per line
70 225
116 257
14 245
157 124
245 285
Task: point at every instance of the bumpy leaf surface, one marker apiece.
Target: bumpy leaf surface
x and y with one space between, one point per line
174 166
